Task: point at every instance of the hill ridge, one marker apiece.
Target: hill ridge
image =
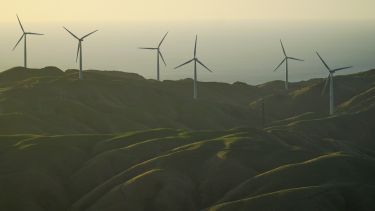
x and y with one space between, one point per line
32 101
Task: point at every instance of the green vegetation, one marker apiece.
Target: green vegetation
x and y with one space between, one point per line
107 157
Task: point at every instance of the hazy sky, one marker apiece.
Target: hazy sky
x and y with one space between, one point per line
110 10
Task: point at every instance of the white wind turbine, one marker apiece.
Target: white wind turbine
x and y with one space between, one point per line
158 55
79 50
330 81
24 36
196 60
286 58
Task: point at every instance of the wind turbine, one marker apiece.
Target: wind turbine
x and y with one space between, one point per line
24 36
195 60
286 58
158 56
330 81
79 49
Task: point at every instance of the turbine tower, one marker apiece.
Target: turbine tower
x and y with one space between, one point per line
158 56
24 37
79 50
195 60
330 81
286 59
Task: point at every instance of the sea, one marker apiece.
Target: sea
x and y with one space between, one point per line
246 50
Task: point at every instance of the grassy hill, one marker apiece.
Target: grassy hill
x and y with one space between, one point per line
72 145
279 168
50 101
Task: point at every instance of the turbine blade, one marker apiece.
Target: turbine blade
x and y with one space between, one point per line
184 64
32 33
325 64
195 47
204 65
162 40
162 58
89 34
71 33
343 68
325 84
296 59
19 21
18 41
282 62
78 49
148 48
282 46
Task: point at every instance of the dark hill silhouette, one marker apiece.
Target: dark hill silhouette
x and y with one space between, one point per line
51 101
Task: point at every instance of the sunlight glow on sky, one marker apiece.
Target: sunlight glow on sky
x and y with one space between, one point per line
148 10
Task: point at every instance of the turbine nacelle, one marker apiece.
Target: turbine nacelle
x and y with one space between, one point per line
82 38
285 60
286 57
331 71
79 49
24 35
329 81
195 59
159 54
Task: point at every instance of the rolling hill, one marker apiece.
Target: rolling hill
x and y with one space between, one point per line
51 101
98 144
